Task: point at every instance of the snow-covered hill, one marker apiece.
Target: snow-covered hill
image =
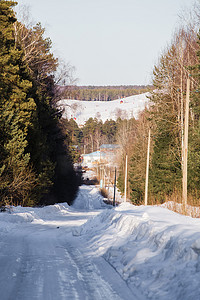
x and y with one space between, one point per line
125 108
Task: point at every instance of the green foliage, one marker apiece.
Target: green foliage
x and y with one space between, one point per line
137 178
166 158
137 169
16 113
109 129
194 161
121 176
31 138
73 138
194 133
165 172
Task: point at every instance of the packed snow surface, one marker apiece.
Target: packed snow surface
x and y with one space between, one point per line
94 251
125 108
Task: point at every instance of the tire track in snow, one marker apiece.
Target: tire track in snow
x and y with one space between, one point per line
44 263
90 285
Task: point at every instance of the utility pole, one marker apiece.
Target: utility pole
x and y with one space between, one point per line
101 176
108 175
147 169
125 183
104 176
115 186
185 148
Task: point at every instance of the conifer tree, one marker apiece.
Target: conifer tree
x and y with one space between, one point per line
35 165
16 114
170 77
194 130
50 157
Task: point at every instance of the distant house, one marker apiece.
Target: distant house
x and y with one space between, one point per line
110 151
94 157
106 154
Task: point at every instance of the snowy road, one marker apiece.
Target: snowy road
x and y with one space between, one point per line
95 252
41 261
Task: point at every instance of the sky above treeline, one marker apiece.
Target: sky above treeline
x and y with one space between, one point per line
109 42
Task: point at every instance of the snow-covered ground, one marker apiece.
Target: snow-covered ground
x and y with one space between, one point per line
93 251
125 108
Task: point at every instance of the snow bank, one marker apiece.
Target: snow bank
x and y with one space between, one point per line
10 220
192 211
155 250
20 215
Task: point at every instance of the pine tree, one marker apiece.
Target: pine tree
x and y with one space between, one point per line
109 129
16 114
194 131
165 171
35 165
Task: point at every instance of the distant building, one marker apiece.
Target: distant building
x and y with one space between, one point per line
110 151
94 157
106 154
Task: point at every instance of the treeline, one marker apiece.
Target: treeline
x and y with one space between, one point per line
103 93
36 167
92 135
166 117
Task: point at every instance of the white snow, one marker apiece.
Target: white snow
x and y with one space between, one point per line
126 108
94 251
153 249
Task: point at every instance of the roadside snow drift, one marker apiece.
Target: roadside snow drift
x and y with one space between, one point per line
155 250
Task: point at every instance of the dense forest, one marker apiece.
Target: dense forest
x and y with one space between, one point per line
37 146
103 93
178 66
36 167
90 137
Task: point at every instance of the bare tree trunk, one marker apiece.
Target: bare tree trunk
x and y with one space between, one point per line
147 169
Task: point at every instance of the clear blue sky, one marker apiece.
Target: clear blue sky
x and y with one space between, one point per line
110 42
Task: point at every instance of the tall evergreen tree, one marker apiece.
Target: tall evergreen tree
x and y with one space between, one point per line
194 131
50 157
16 114
165 171
35 164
